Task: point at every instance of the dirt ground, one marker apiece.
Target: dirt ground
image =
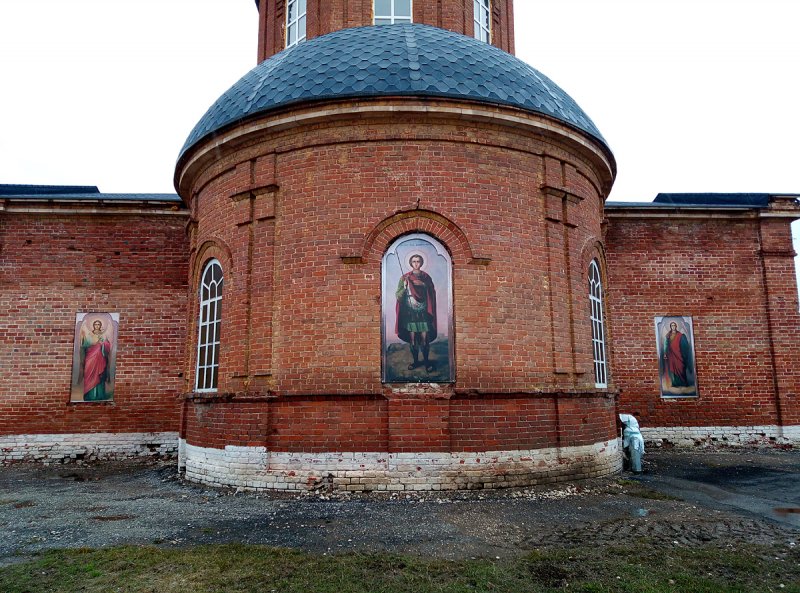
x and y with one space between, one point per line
682 499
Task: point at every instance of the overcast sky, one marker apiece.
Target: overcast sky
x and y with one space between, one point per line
691 95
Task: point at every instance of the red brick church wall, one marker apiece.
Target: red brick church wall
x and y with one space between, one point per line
362 423
733 275
61 261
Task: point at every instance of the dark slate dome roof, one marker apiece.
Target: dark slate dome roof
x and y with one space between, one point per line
389 61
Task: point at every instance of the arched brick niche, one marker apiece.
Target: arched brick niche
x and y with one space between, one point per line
309 208
283 22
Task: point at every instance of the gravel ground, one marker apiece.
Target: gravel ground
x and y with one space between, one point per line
682 499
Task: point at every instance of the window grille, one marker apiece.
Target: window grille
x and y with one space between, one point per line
483 20
391 12
598 325
295 22
208 327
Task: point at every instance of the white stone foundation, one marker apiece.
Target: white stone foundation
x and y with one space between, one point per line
181 454
714 436
255 468
86 446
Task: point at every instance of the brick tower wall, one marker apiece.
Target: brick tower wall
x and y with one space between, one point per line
326 16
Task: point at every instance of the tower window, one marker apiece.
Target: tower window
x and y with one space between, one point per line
483 20
391 12
295 22
598 325
208 327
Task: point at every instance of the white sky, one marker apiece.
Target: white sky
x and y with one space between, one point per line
691 95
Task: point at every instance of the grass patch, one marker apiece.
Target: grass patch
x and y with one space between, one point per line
245 569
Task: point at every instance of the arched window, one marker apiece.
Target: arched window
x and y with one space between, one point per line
208 327
295 22
482 19
391 12
598 325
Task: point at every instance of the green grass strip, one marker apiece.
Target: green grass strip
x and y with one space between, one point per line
257 569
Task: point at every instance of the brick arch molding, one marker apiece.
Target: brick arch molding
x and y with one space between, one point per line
211 249
418 221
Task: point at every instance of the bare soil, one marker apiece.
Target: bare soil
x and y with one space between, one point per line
683 499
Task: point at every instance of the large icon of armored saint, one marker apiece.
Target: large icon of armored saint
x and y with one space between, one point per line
417 312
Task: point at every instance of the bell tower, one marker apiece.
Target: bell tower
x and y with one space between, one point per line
285 23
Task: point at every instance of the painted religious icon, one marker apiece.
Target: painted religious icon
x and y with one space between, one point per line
675 342
417 309
94 357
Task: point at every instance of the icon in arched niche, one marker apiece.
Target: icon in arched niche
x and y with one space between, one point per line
417 307
94 357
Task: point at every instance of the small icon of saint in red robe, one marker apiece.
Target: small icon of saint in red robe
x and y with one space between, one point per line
96 356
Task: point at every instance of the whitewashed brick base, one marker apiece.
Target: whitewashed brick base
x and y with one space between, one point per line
181 454
88 446
255 468
733 436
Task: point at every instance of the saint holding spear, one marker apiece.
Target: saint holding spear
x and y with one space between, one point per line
416 311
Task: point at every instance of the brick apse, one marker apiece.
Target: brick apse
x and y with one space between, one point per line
300 201
267 321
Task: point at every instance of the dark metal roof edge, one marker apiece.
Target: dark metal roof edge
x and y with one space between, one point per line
664 206
673 194
172 198
716 201
29 189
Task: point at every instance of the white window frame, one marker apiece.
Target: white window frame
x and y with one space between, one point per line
210 320
482 18
598 325
294 21
393 17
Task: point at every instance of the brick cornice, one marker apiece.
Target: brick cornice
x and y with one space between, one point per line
205 154
790 253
